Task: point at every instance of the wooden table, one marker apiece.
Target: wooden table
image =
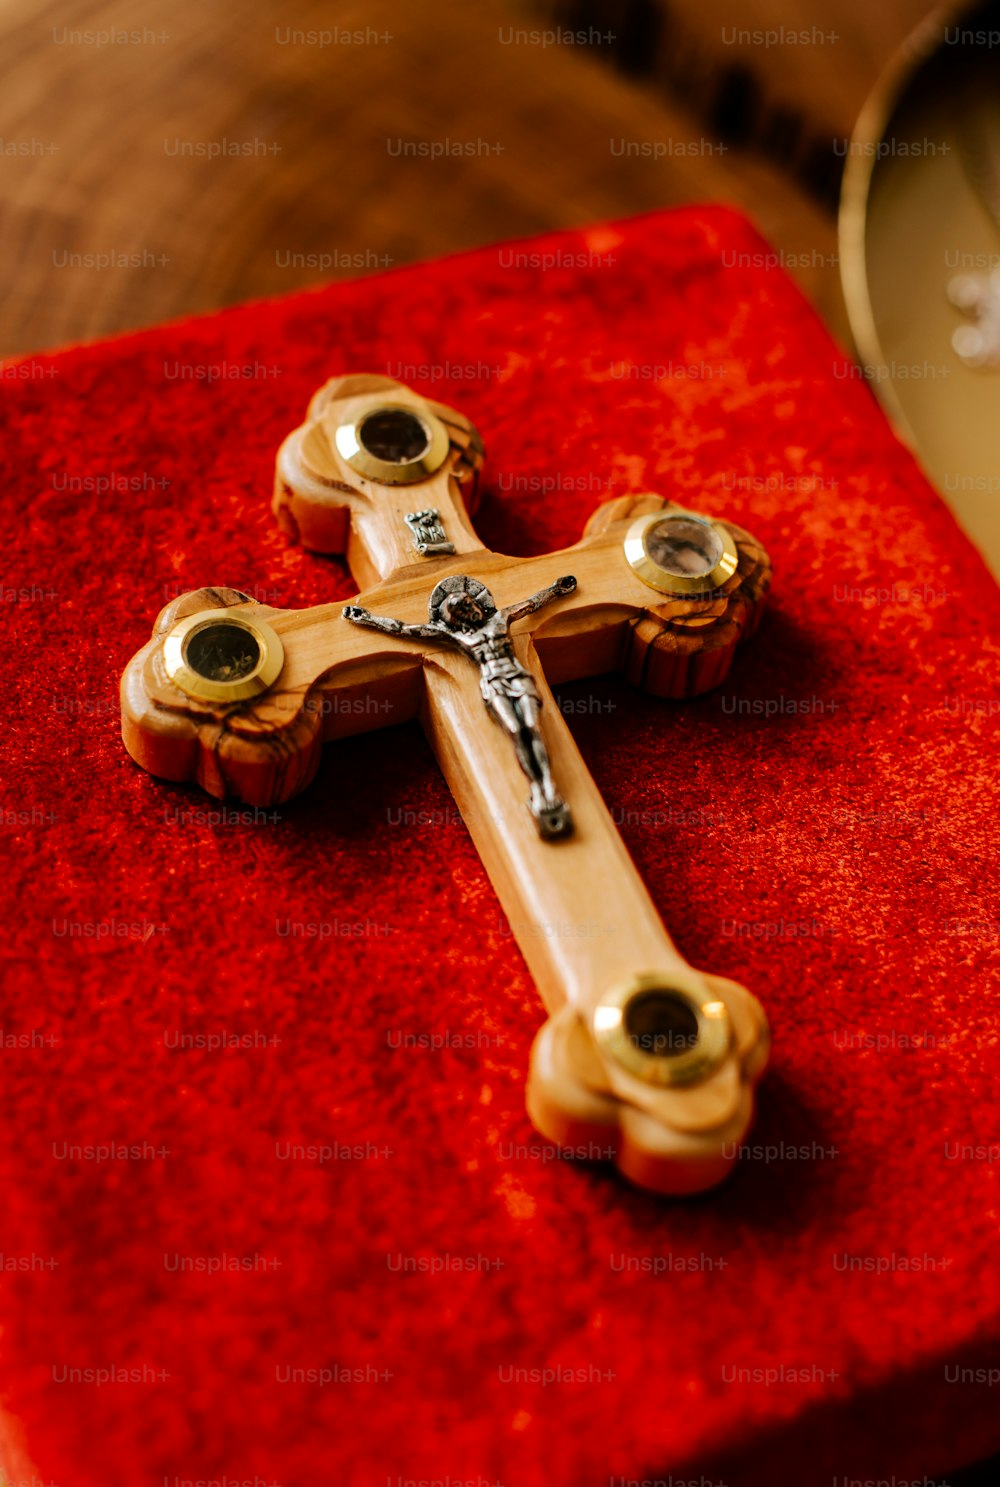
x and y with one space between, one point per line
122 151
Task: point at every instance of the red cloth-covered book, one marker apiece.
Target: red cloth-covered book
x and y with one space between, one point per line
274 1213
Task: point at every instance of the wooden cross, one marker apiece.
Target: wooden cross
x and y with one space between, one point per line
643 1059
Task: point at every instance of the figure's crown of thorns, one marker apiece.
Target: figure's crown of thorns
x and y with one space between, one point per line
458 586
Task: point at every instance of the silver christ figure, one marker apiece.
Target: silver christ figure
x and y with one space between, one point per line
462 613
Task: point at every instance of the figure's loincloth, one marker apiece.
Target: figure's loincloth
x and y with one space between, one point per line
507 679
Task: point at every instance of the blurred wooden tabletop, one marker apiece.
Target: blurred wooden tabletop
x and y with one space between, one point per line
189 154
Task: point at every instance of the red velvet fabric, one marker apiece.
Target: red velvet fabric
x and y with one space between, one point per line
355 1192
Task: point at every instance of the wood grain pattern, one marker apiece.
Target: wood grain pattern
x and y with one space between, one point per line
114 161
577 907
782 81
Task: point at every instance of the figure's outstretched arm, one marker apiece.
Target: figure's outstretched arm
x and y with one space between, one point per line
555 590
361 616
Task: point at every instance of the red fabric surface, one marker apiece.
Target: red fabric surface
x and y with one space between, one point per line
821 830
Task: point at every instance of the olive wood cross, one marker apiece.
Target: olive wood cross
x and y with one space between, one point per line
643 1059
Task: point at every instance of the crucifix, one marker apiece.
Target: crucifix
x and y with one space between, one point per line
462 613
643 1059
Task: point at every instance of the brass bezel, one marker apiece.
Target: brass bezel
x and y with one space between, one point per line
263 676
664 582
388 472
709 1052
